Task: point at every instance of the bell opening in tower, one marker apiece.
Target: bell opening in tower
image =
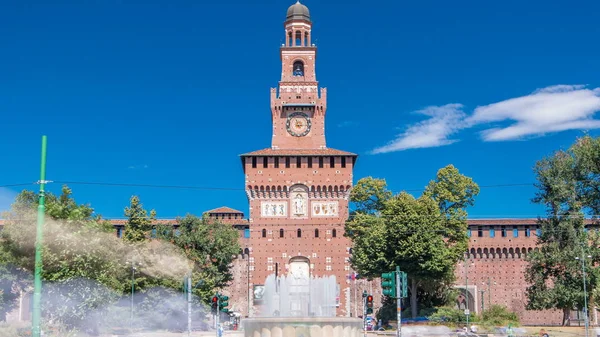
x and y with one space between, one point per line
298 68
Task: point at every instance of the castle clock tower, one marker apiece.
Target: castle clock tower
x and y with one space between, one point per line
298 188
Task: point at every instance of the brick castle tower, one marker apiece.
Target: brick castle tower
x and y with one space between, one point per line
298 188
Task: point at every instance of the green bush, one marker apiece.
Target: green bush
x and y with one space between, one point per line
498 315
451 315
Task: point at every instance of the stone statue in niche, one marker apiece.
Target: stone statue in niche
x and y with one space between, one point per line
299 204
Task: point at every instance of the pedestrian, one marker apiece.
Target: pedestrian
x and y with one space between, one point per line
509 331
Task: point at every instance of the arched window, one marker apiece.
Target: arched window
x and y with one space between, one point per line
246 251
334 233
281 233
299 233
264 233
316 233
290 39
306 39
298 68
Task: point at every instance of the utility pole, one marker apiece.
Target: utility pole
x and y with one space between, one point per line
364 296
132 292
217 314
37 285
489 292
467 312
189 304
585 308
398 303
482 306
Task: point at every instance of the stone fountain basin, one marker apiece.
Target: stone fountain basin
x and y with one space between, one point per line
302 327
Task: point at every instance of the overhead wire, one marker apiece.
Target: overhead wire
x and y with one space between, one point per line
217 188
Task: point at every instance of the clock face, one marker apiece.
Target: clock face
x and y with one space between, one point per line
298 124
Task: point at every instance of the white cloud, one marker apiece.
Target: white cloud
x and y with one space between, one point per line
346 124
435 131
137 167
547 110
551 109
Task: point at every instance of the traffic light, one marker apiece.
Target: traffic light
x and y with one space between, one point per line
369 305
388 284
223 303
215 304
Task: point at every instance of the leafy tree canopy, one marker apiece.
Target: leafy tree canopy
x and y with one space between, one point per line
567 184
425 236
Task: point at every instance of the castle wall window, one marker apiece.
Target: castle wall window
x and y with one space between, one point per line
287 162
281 233
503 229
492 232
515 232
265 162
331 161
119 232
247 233
264 233
253 162
316 233
469 232
276 162
320 162
527 232
538 232
479 232
334 233
299 233
298 162
309 162
343 162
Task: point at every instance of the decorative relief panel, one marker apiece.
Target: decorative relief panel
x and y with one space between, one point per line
324 208
273 208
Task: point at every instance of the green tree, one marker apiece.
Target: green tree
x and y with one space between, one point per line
77 244
425 236
210 245
369 195
566 187
138 222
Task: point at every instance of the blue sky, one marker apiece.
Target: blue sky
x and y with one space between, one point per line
171 92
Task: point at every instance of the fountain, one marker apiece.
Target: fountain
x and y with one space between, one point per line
300 305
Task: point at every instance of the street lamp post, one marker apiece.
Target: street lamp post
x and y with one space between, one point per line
133 264
585 306
482 306
489 291
467 312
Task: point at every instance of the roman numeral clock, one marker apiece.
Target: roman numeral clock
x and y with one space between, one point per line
298 124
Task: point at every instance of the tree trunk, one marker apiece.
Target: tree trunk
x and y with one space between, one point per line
413 298
566 314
